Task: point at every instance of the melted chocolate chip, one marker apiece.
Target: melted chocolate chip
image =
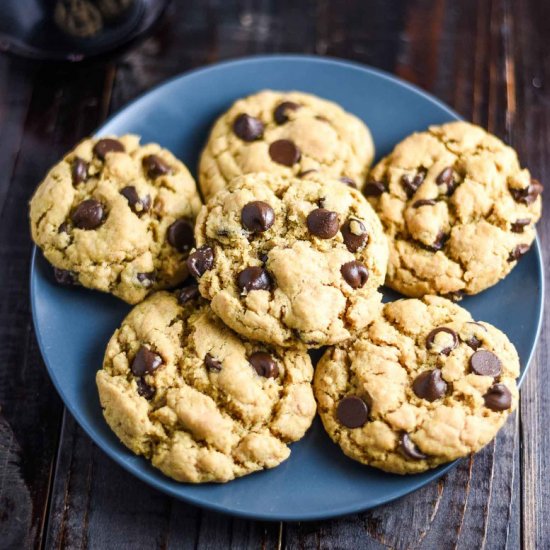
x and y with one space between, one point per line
485 363
498 398
429 385
64 227
107 145
348 181
518 252
144 389
79 171
264 364
446 178
528 195
257 216
155 166
65 277
306 172
200 261
323 223
439 242
89 214
355 234
409 449
352 412
519 225
212 365
248 128
146 279
412 183
253 278
430 340
355 274
423 202
137 205
188 293
280 113
375 188
285 152
145 362
180 235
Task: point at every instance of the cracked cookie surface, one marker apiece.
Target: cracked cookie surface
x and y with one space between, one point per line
458 209
424 384
285 133
290 261
201 403
117 217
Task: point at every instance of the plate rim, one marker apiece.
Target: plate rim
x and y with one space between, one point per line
138 471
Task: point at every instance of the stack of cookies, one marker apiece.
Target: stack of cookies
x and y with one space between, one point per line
209 376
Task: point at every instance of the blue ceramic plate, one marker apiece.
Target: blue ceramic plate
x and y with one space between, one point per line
74 325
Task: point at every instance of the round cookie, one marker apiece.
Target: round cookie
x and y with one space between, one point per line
457 207
180 388
424 384
285 133
290 261
116 216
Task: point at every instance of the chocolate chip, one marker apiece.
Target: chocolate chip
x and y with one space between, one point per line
253 278
529 194
64 228
65 277
518 252
264 364
446 178
519 225
107 145
280 112
137 205
431 343
412 183
306 172
257 216
355 274
212 365
439 242
284 151
498 398
89 214
375 188
146 279
429 385
423 202
187 294
79 171
323 223
352 412
145 362
485 363
348 181
473 341
200 261
144 389
248 128
355 234
155 166
180 235
409 449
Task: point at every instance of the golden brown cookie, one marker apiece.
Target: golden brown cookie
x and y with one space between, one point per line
457 207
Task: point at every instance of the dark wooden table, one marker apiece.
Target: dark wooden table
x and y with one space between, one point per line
488 59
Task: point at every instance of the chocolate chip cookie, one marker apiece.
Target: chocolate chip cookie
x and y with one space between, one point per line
424 384
457 207
290 261
181 389
116 216
285 133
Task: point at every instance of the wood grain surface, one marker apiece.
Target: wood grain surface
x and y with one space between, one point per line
489 59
